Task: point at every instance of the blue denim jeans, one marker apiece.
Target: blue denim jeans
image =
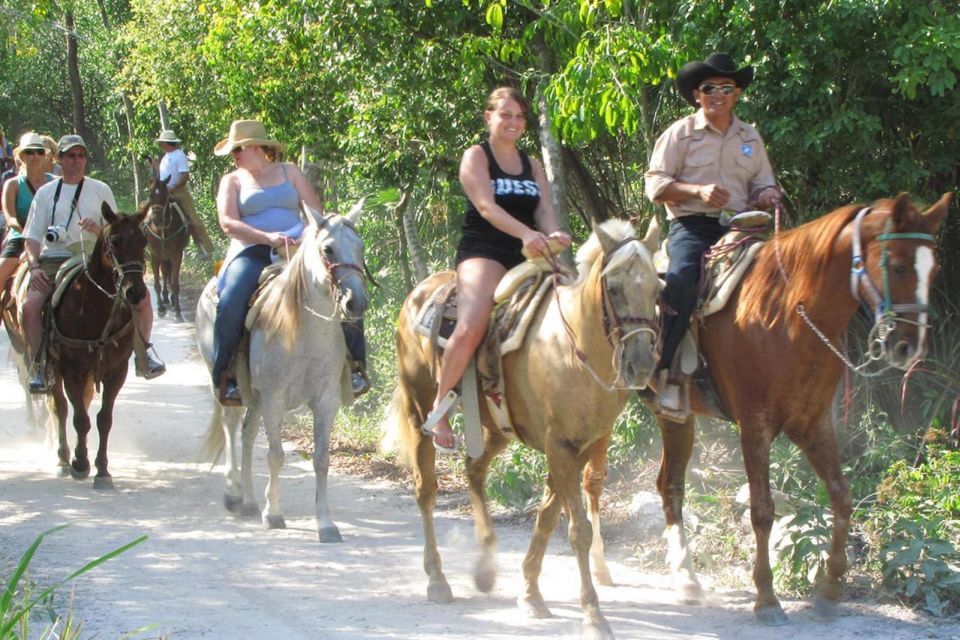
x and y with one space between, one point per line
688 239
238 284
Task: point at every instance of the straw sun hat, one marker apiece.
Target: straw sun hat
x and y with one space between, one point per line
243 133
167 135
30 140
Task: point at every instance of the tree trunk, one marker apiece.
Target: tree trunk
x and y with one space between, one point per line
411 249
164 116
76 86
549 145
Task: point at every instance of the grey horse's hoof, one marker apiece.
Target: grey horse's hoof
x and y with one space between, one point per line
250 511
233 503
771 616
825 609
597 629
439 592
330 534
103 483
275 522
64 471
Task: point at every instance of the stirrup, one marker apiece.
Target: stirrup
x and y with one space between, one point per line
446 405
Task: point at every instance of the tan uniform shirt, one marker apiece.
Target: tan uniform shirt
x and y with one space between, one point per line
693 151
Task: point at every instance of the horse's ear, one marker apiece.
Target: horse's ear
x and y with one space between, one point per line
108 213
606 241
938 211
354 214
652 240
901 210
314 217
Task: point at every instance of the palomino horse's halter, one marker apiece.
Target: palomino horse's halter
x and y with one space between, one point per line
616 327
886 315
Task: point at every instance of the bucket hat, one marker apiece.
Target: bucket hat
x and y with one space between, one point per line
167 135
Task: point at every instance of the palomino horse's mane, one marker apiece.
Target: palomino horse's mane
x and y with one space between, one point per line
591 250
804 253
286 294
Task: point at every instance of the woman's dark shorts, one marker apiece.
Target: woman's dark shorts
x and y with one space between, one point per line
507 255
13 248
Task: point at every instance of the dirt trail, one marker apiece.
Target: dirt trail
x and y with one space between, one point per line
205 574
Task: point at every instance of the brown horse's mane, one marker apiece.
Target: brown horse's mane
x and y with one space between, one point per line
285 295
804 252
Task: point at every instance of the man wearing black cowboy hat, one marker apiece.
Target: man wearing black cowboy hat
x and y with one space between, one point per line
703 165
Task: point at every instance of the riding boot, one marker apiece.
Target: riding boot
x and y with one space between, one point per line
145 364
39 377
357 348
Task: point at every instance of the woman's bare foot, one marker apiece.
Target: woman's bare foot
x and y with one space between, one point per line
443 435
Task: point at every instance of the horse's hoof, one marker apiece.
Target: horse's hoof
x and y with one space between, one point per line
64 471
690 593
179 317
772 616
439 592
79 474
603 578
233 503
161 312
485 578
103 483
598 629
534 607
274 522
824 608
249 511
330 534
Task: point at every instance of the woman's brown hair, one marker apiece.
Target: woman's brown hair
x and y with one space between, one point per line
504 93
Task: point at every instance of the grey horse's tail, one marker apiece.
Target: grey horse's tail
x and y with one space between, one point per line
215 441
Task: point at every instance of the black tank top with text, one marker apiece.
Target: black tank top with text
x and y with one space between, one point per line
519 196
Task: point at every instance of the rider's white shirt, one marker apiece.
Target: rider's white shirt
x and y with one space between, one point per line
173 163
42 215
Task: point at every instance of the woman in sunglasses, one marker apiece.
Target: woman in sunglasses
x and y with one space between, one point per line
17 196
704 164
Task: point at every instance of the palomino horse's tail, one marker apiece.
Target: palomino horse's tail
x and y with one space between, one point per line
401 432
215 441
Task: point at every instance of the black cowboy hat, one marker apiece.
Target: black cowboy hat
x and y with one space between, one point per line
717 65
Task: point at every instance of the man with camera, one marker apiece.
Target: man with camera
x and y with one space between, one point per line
65 219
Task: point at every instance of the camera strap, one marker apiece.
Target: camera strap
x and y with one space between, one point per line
73 205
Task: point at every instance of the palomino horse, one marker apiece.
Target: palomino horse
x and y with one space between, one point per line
297 356
168 233
596 337
772 358
92 339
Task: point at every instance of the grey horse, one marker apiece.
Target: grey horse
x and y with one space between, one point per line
297 357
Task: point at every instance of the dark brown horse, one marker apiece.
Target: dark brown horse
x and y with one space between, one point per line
772 358
168 233
92 339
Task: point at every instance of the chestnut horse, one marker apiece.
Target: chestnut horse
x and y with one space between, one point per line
92 339
168 233
772 359
586 348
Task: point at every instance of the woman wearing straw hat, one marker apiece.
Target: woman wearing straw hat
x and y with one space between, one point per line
258 206
17 196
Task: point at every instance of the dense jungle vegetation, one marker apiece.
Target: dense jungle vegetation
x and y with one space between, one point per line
856 99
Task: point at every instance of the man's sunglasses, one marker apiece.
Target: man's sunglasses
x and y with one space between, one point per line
74 155
722 89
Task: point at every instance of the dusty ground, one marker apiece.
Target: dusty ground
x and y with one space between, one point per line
205 574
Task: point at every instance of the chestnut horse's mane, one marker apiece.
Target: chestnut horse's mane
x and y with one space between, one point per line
804 252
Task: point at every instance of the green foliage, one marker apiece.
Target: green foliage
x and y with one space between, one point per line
922 568
802 548
516 477
17 600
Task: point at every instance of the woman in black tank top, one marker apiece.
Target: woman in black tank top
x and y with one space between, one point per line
510 209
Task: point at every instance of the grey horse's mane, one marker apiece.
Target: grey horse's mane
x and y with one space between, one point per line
286 294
